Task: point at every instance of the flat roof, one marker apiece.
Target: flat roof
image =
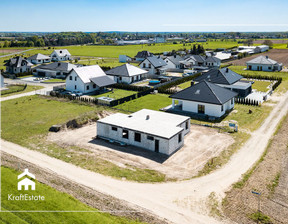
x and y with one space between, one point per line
158 124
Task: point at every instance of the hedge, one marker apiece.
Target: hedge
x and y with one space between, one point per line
130 87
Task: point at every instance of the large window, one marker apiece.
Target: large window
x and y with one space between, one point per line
114 129
232 101
186 125
201 109
149 137
87 87
144 65
125 134
222 107
75 78
137 137
70 77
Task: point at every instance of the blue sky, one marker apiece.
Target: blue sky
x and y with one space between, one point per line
144 15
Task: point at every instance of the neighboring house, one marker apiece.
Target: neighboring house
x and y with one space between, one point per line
39 59
204 98
228 79
17 65
60 55
124 58
173 62
87 79
127 74
200 61
159 40
26 182
152 130
261 48
141 55
55 69
263 63
154 65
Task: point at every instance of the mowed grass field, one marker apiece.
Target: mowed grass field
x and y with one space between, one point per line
150 101
26 121
14 89
54 201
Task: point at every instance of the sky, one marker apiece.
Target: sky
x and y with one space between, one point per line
144 15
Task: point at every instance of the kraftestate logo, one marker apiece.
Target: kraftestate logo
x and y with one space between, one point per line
25 184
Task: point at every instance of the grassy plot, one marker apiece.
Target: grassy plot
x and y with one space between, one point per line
185 85
26 121
117 93
55 80
150 101
261 86
248 121
54 201
16 89
284 75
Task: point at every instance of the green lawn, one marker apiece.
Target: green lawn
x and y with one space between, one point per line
13 90
117 93
185 85
55 80
284 75
26 121
260 85
150 101
54 201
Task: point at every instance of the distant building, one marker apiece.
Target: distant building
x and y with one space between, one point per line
159 40
204 98
152 130
17 65
39 59
55 69
199 60
87 79
141 55
127 74
261 48
124 58
263 63
154 65
228 79
60 55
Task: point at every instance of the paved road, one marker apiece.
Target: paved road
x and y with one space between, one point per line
180 202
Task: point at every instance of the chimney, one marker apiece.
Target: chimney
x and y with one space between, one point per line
227 70
174 55
192 83
59 63
267 56
147 117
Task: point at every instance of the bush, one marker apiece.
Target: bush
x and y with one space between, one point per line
130 87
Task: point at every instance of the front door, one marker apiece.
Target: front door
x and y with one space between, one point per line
201 109
156 145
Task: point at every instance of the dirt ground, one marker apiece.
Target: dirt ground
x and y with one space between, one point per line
277 41
241 202
10 50
279 55
84 194
201 144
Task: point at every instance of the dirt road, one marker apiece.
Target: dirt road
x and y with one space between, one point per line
179 202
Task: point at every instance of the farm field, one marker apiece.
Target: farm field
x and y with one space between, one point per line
54 200
150 101
279 55
116 94
33 116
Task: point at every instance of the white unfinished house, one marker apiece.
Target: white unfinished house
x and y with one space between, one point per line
204 98
263 63
39 59
127 74
152 130
87 79
60 55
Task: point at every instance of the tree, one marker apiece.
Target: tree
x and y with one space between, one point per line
268 42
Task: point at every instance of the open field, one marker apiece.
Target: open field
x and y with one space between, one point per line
279 55
33 116
269 177
116 94
150 101
54 200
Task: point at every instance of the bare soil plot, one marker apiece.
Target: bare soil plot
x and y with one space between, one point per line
201 144
278 41
7 51
279 55
240 202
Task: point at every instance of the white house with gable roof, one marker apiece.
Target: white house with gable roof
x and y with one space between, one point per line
263 63
60 55
87 79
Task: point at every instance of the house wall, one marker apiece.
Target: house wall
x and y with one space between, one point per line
151 70
259 67
15 70
1 81
40 61
166 146
170 64
210 109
